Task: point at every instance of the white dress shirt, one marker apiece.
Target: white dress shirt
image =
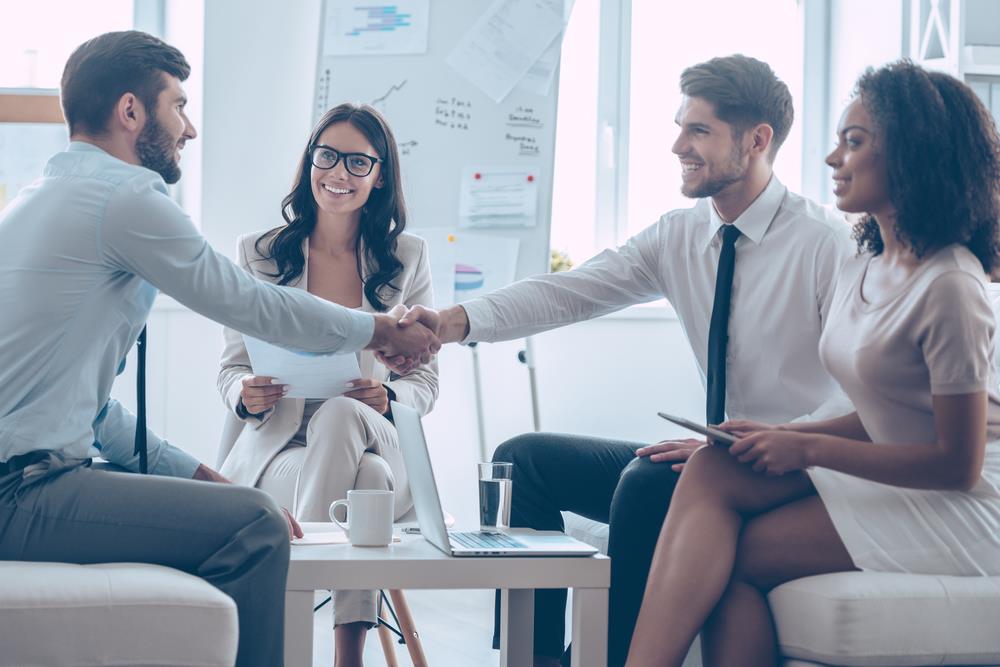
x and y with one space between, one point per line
787 261
83 252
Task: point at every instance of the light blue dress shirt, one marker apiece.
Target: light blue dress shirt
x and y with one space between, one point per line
83 251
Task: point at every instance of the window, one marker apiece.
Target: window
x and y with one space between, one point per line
37 37
614 135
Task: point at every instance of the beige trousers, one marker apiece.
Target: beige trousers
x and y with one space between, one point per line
348 446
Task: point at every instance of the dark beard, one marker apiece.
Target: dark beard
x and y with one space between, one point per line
155 149
733 174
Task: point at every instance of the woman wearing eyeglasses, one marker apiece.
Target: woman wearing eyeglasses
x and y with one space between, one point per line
342 241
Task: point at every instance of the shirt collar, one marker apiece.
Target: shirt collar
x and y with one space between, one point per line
754 222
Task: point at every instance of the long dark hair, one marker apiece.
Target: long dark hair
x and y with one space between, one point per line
942 157
383 216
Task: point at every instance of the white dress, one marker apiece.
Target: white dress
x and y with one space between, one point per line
932 337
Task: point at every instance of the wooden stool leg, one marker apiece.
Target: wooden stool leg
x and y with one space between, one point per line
409 630
388 642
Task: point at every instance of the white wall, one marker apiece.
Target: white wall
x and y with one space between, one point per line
862 34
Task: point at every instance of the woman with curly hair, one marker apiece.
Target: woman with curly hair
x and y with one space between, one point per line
342 241
911 481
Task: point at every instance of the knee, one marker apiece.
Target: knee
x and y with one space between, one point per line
267 526
517 449
337 411
644 485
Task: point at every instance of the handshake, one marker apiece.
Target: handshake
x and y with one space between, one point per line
406 337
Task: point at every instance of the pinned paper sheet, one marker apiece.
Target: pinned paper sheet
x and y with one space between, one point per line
307 375
498 197
475 264
371 28
505 42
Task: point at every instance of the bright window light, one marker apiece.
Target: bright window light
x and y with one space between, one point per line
666 38
37 37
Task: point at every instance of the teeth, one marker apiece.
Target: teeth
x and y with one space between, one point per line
337 191
686 167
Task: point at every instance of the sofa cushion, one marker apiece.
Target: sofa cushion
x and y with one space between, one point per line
112 614
871 618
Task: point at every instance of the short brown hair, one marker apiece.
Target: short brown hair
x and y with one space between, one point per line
103 69
745 92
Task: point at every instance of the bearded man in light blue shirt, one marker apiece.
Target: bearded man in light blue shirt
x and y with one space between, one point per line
83 252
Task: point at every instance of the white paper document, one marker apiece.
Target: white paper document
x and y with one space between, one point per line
307 375
375 29
498 197
505 42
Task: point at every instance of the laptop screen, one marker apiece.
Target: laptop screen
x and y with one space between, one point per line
426 500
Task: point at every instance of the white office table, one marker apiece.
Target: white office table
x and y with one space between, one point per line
414 563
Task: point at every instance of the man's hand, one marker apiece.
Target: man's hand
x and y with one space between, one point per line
450 324
413 344
676 451
294 529
206 474
371 392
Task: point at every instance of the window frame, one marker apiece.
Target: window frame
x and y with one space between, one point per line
614 88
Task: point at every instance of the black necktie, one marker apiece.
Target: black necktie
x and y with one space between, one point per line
140 397
718 332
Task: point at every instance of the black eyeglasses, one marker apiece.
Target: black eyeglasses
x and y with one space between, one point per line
357 164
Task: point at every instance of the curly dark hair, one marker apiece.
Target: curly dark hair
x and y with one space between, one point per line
383 217
942 157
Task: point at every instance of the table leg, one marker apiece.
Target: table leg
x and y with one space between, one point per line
590 627
298 628
517 627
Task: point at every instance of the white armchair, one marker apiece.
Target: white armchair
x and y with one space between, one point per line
872 619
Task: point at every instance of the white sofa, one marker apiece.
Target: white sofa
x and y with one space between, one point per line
869 619
64 615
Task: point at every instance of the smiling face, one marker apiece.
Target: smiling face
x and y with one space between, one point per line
859 170
711 160
337 191
167 128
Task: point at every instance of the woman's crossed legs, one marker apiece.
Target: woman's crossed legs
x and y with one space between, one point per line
731 535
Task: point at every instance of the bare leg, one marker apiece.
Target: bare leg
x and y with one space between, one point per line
697 548
792 541
349 643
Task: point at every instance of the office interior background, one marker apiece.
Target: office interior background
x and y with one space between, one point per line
251 99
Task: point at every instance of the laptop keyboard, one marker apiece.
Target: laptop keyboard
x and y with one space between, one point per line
485 541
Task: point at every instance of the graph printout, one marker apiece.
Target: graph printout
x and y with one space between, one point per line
358 28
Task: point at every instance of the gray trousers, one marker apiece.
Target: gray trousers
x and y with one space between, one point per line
233 537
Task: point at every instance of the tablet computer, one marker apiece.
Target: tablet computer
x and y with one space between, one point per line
715 434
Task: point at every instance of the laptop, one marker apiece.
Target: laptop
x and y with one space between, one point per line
427 503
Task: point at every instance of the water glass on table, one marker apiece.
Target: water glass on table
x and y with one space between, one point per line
495 486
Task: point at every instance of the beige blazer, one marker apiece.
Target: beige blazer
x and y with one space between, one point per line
262 439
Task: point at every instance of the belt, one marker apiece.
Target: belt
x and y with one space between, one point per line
22 461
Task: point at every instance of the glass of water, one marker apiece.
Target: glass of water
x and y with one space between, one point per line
494 496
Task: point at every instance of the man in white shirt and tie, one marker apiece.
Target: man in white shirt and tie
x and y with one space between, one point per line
749 269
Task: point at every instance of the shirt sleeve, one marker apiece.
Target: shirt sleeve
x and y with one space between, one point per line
610 281
955 334
147 234
114 435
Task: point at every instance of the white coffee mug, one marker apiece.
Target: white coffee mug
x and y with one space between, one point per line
369 517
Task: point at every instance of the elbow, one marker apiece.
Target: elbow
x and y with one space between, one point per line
964 478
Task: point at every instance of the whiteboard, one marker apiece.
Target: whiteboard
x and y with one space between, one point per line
444 125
